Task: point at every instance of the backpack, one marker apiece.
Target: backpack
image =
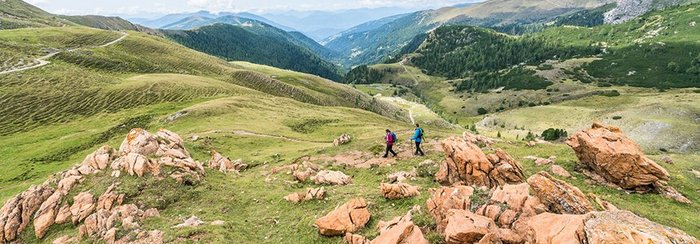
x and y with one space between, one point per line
393 137
420 133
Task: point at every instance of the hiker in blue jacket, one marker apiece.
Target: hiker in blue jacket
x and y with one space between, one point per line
418 138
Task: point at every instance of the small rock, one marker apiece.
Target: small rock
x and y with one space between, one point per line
310 194
218 222
328 177
398 191
342 140
559 196
190 222
560 171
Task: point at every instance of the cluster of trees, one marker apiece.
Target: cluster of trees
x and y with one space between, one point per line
363 74
257 46
514 79
458 51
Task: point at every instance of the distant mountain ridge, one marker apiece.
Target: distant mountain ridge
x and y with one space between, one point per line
320 25
183 21
372 45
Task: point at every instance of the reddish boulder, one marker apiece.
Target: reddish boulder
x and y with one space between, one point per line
83 206
139 141
552 228
46 215
347 218
445 198
465 163
606 151
99 159
466 227
559 196
398 191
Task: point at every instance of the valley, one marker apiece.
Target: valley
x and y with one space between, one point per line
198 127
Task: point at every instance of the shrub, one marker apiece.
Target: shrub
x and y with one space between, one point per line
617 117
482 111
552 134
529 136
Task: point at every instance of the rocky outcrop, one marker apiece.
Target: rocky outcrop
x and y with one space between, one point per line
109 199
104 225
629 9
342 140
140 154
445 198
348 218
46 215
17 212
398 191
552 228
607 152
558 213
465 163
309 195
329 177
139 146
626 227
559 196
224 164
137 164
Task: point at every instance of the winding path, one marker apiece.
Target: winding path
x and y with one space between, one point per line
43 61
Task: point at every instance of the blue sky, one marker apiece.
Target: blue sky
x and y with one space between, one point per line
146 7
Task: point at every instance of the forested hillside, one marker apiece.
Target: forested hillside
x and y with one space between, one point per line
458 51
260 44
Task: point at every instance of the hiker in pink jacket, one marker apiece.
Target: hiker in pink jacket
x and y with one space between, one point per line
390 140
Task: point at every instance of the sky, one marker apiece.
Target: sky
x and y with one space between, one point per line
144 8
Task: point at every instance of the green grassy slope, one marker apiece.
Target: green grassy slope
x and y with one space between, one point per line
55 93
19 14
107 23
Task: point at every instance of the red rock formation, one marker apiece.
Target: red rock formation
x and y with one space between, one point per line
606 151
465 163
347 218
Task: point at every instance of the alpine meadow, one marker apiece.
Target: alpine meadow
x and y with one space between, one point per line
383 122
